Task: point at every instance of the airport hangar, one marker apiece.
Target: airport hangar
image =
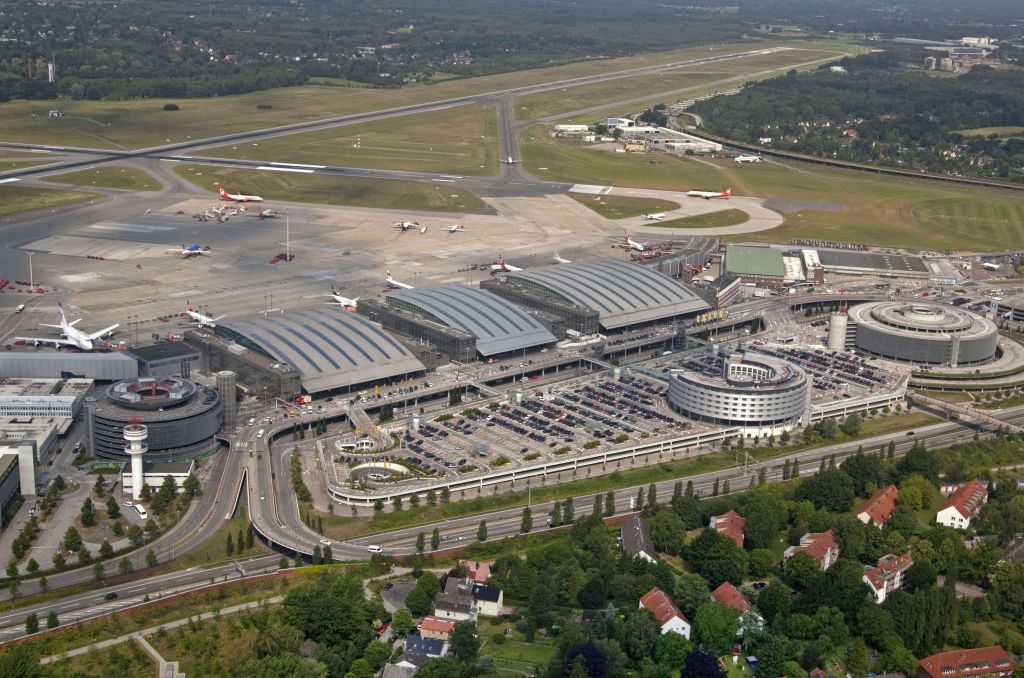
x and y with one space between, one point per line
606 295
316 351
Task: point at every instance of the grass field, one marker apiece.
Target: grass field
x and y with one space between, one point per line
144 123
8 164
213 550
540 105
709 220
328 190
18 199
873 209
125 660
623 206
461 140
109 176
1002 132
567 99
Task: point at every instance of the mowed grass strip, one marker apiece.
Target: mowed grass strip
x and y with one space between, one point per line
872 209
461 140
730 217
333 190
144 123
111 176
623 206
20 199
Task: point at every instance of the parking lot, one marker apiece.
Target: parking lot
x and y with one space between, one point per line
582 415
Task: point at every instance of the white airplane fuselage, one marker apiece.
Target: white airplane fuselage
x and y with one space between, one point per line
239 197
72 336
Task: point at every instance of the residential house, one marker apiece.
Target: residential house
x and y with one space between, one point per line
420 650
665 611
888 575
876 510
456 600
989 662
438 628
637 540
961 506
731 524
729 595
821 546
488 599
477 571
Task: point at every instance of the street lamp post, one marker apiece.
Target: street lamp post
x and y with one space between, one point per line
31 279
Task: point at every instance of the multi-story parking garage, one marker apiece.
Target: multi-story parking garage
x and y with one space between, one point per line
761 394
922 333
182 418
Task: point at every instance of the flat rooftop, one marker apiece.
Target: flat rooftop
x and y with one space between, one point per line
39 388
849 260
165 350
751 260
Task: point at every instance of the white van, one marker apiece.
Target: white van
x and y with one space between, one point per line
373 548
259 434
252 421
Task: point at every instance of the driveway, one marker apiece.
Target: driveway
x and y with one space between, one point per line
394 597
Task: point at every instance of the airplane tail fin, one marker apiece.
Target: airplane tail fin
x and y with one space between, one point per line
223 193
189 304
63 319
728 192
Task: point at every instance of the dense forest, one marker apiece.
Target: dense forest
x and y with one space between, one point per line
882 108
148 48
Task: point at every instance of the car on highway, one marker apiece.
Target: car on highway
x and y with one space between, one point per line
910 433
373 548
325 542
110 596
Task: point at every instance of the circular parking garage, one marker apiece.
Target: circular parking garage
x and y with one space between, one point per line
923 333
761 394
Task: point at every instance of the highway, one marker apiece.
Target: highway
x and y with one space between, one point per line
278 515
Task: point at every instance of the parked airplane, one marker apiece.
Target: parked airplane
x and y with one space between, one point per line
561 260
708 195
342 301
456 228
634 245
408 226
394 284
503 267
72 336
747 158
657 216
200 319
510 161
238 197
267 214
190 251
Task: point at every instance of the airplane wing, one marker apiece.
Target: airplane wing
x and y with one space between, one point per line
97 335
48 340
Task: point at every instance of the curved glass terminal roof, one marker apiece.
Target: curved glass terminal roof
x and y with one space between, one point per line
621 292
498 325
330 348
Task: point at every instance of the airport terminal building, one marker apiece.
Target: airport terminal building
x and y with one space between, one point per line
606 295
315 351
